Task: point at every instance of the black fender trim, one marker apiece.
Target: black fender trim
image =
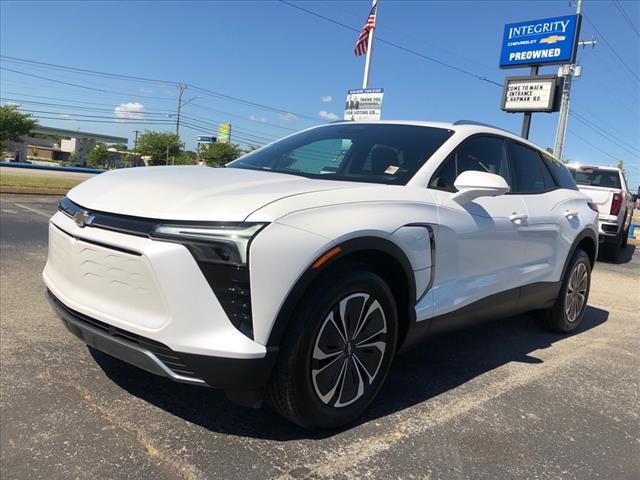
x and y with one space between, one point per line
586 233
349 247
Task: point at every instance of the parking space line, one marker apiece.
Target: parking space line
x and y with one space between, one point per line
34 210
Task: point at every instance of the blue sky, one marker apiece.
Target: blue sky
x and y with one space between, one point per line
275 55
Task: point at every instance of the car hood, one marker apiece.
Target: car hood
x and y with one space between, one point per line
192 192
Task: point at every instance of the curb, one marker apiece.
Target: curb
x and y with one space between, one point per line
35 190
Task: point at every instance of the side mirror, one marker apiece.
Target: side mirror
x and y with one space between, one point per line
634 197
472 184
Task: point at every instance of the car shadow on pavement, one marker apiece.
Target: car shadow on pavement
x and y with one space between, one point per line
626 254
441 364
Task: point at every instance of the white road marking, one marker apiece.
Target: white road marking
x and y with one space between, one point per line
39 212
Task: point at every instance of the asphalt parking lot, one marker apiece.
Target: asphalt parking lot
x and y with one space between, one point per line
503 400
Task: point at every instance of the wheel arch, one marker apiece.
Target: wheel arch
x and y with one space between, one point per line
383 256
587 240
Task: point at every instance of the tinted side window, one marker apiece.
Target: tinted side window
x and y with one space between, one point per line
527 169
560 172
483 154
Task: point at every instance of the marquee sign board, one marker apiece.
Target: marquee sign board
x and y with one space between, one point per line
548 41
530 94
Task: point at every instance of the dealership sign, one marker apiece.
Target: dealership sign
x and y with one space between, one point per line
547 41
530 94
363 104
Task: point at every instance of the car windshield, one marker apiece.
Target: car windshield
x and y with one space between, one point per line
378 153
597 178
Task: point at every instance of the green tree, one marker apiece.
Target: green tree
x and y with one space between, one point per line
185 158
620 165
219 154
98 157
13 124
159 145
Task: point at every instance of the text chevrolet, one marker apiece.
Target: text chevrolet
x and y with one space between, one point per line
300 270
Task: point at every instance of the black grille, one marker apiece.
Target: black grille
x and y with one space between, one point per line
167 356
609 228
230 284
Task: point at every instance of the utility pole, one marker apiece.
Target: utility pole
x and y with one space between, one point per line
135 142
367 63
181 89
567 72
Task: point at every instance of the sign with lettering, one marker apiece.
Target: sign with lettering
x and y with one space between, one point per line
530 94
549 41
363 104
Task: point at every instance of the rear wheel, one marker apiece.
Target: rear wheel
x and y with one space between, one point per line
612 248
566 314
335 358
625 236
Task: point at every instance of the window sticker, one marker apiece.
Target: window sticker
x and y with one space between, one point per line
392 169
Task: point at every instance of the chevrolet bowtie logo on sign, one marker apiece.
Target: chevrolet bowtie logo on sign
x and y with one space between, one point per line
553 39
83 218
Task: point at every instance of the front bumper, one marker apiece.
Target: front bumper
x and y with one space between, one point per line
232 374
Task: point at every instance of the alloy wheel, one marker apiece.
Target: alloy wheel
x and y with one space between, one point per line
576 292
348 350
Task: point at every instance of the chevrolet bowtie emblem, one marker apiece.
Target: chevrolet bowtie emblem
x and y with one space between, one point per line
552 39
83 218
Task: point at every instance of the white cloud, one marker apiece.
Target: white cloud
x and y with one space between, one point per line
129 110
328 115
146 90
326 99
253 118
64 115
287 117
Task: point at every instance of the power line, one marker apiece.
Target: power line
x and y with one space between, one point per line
613 50
395 45
595 125
205 91
599 132
626 17
590 144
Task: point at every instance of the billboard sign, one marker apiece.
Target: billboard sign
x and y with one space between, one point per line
363 104
530 94
548 41
224 132
206 138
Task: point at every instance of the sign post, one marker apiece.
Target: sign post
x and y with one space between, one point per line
535 43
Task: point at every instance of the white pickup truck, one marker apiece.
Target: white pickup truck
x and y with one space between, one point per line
608 189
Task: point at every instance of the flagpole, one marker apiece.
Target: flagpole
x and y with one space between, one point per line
367 63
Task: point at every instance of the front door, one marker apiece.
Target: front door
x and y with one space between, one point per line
480 250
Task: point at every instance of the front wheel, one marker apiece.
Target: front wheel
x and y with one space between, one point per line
336 356
568 311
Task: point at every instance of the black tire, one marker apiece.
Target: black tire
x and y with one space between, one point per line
300 387
625 236
612 248
561 318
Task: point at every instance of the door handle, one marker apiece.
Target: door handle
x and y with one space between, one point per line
570 214
518 218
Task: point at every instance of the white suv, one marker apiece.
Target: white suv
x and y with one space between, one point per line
300 270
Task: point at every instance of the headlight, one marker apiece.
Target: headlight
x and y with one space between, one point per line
227 244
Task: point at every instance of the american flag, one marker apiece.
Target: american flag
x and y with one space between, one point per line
363 39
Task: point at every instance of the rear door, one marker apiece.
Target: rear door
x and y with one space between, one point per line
551 204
